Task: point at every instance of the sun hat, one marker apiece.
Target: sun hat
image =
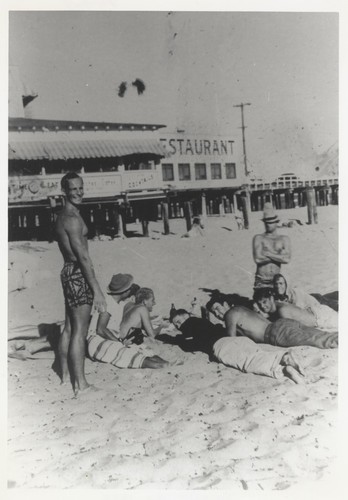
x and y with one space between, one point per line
269 214
120 283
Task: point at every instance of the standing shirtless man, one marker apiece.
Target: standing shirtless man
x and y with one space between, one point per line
270 250
80 286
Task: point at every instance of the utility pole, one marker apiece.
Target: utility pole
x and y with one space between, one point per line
241 106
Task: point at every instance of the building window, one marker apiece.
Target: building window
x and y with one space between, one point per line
167 172
200 171
215 170
230 170
184 172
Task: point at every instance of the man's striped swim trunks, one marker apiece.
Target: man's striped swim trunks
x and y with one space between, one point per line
77 291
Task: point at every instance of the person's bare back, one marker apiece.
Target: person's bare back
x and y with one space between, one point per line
138 315
132 318
69 222
290 311
247 323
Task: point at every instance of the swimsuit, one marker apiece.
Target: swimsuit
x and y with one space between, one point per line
288 332
77 291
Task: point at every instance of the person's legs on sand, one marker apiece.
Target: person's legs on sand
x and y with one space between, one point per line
63 347
289 359
292 368
80 317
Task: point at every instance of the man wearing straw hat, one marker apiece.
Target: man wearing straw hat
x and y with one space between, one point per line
270 250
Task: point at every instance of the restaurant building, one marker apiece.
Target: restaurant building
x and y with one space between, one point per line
118 162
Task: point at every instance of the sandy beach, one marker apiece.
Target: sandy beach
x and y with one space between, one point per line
198 425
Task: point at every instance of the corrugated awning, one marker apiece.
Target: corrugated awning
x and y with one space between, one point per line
66 150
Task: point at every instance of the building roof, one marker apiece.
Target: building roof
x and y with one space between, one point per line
32 124
78 149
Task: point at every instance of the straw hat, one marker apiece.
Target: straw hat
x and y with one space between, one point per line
269 214
120 283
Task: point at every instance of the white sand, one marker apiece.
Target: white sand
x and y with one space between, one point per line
200 425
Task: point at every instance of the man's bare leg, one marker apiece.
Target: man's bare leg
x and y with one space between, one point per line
292 368
63 348
80 317
32 346
26 331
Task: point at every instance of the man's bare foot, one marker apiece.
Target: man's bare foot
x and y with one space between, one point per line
85 390
22 354
293 374
154 362
289 360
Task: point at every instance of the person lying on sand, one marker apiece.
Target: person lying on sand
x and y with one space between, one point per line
282 332
241 353
320 315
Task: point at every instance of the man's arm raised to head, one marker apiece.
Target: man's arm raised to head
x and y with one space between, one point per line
73 227
231 321
258 250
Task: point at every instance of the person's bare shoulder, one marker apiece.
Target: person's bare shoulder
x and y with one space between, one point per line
234 312
71 222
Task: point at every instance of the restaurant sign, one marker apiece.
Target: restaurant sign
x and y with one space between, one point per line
195 146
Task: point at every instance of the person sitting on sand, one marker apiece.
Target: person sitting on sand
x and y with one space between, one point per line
282 332
197 229
270 250
136 316
322 316
241 353
116 336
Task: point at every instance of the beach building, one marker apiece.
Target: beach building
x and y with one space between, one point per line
130 171
134 171
118 162
202 170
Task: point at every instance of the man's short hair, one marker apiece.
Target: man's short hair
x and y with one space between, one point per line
143 294
177 312
64 183
261 293
216 299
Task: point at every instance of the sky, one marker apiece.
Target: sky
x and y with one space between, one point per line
196 66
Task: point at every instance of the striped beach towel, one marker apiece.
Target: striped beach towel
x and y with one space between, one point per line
115 353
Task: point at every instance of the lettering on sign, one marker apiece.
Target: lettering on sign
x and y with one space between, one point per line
203 147
137 180
37 188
